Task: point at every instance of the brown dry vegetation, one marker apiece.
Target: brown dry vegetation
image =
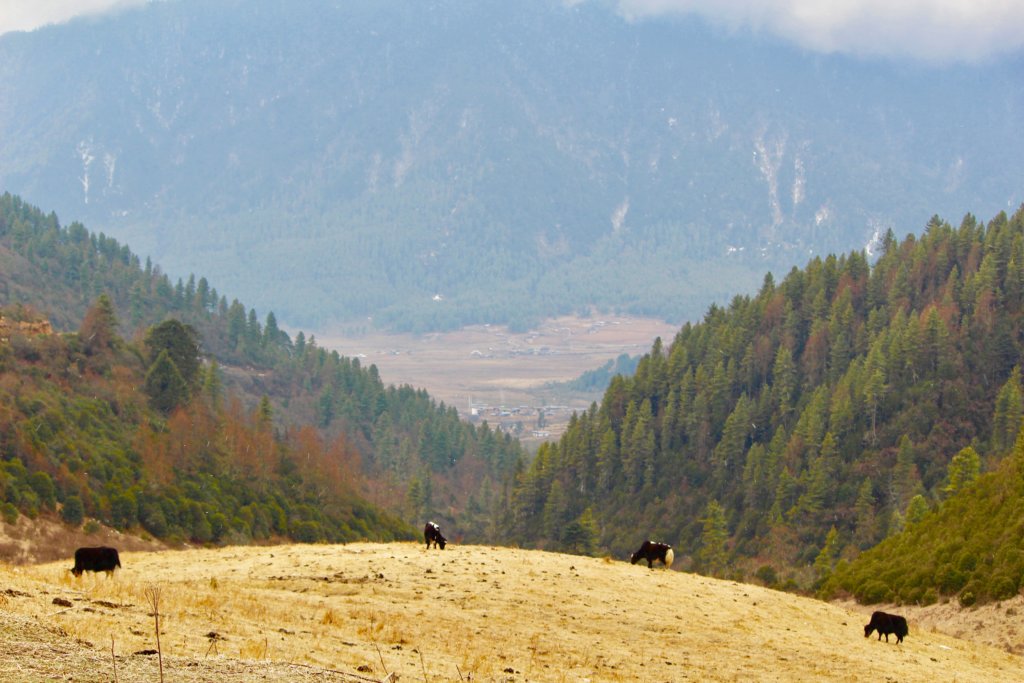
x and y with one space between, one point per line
311 612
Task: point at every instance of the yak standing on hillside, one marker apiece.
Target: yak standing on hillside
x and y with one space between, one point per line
886 624
651 551
432 534
100 559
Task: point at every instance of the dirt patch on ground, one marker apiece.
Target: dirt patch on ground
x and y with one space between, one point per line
465 613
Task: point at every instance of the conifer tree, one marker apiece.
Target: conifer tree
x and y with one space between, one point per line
826 559
164 384
713 556
98 331
963 469
1009 409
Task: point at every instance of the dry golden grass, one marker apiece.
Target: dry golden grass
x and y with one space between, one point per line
315 612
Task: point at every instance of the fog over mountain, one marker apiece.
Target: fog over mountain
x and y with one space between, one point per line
443 163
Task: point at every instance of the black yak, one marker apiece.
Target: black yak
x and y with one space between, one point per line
651 551
432 534
101 559
886 624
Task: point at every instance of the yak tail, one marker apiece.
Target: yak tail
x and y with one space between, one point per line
669 556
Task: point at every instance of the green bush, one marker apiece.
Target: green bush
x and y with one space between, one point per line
73 511
872 592
153 519
1002 587
950 580
967 561
767 575
306 531
9 512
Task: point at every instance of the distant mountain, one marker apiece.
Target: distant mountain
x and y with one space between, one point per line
442 163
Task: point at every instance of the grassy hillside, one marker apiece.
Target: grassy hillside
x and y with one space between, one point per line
465 613
969 549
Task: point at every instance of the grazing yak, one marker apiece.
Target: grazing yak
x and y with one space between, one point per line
651 551
432 534
100 559
886 624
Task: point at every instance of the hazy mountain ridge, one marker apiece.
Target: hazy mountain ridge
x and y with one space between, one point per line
370 156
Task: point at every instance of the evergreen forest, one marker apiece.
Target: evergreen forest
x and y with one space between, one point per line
787 432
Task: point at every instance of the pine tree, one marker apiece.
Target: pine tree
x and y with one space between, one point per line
181 342
713 556
164 384
581 535
866 523
963 469
826 559
98 331
1009 409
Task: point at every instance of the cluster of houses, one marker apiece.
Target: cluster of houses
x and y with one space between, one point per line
523 422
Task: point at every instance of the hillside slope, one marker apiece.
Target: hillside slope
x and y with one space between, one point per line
474 612
969 548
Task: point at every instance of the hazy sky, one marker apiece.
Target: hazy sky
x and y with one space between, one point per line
943 31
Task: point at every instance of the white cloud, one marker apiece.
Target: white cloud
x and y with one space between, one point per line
936 31
27 15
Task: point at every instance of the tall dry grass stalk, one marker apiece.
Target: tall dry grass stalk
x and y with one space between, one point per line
153 598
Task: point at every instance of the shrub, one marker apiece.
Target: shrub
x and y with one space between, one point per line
767 575
950 579
153 519
872 592
124 510
73 511
1002 587
9 512
967 561
306 531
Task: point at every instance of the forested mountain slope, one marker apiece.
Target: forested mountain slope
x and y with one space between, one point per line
439 164
806 423
92 412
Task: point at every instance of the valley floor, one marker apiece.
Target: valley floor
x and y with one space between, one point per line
477 613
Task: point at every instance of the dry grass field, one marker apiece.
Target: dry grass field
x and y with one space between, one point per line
365 611
487 363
